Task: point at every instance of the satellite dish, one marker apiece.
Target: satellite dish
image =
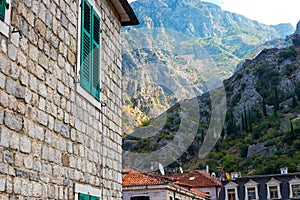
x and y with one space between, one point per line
161 169
213 175
180 169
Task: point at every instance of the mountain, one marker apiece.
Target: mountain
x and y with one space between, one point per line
260 115
179 46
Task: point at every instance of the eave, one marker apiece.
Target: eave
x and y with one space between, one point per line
127 15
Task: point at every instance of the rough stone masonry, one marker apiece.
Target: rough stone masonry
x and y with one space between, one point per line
51 137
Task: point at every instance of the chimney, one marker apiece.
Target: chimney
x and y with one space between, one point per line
284 170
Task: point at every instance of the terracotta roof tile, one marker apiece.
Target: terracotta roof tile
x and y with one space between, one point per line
135 178
197 179
200 193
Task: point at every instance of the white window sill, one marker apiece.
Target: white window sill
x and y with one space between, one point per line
4 28
88 96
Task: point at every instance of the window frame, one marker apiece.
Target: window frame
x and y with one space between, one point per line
293 182
140 196
251 184
231 186
273 183
81 90
86 190
5 24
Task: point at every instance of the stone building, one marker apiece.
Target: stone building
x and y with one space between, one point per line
147 186
60 98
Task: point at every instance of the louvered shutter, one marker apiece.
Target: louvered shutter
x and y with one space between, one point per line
86 38
83 196
2 9
96 56
94 198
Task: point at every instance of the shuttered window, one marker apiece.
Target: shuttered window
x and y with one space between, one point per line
87 197
2 9
90 50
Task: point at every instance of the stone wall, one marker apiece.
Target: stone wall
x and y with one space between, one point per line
50 136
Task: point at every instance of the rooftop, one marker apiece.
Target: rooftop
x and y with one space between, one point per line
135 178
197 179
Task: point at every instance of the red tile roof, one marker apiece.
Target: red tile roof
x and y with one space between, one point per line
135 178
197 179
200 193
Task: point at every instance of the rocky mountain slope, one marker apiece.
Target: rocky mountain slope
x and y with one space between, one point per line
261 119
163 56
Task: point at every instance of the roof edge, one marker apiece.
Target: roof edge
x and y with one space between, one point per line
128 9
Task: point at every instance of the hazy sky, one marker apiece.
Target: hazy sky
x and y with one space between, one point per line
264 11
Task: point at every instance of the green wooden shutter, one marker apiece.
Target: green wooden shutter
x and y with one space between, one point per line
86 36
96 56
2 9
87 197
83 196
90 50
94 198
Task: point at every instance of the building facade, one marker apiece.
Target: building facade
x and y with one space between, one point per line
282 186
146 186
60 98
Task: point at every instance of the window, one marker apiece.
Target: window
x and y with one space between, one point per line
5 10
295 188
231 191
296 191
140 198
251 190
89 68
231 194
86 192
273 187
87 197
251 193
273 192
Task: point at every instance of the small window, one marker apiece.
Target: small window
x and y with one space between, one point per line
251 193
231 191
231 194
273 187
140 198
273 192
251 190
295 188
296 191
5 10
171 198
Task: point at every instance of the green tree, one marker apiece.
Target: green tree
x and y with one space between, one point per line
276 101
264 107
297 90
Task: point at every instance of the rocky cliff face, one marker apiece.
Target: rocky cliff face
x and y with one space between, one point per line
179 45
263 99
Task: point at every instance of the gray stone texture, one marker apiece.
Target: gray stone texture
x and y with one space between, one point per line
51 135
